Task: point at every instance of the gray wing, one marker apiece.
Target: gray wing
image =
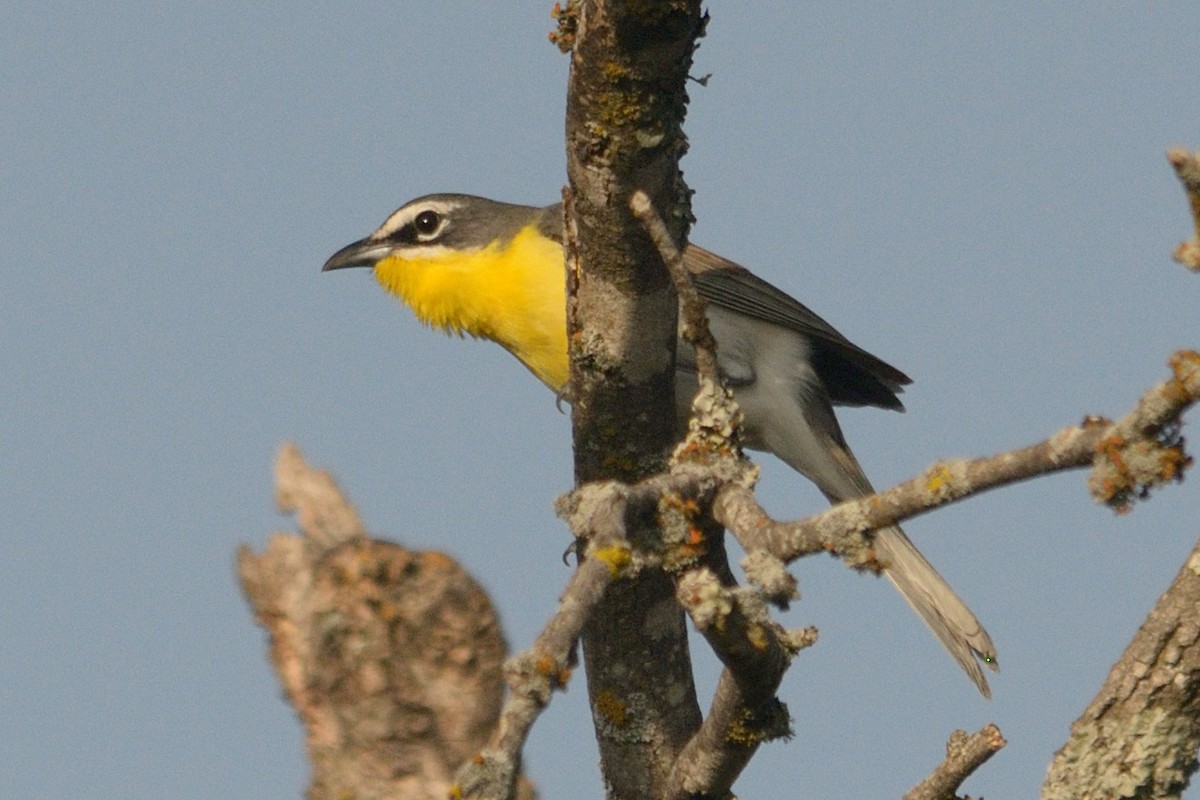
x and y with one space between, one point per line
851 375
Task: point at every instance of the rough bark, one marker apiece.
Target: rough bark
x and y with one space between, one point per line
1140 735
391 658
625 108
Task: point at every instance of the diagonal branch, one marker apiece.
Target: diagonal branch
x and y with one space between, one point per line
1140 735
531 677
1142 450
693 322
964 754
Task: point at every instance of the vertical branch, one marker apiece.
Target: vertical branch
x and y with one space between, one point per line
625 108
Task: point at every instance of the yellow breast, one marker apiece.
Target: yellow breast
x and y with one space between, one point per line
513 294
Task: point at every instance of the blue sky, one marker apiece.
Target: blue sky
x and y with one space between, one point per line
979 196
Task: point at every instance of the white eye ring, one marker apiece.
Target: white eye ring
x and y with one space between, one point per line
428 224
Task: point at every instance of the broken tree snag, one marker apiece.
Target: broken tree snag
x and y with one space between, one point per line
392 658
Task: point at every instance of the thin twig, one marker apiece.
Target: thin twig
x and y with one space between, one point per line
534 674
964 754
691 305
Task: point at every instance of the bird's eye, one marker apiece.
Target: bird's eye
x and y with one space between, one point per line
427 223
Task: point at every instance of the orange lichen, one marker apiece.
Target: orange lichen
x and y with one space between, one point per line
568 26
612 708
550 668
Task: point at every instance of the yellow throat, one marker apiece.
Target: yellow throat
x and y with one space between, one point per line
513 293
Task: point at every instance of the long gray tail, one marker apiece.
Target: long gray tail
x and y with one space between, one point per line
937 604
813 445
799 427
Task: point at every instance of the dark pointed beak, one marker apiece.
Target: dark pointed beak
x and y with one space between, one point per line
363 253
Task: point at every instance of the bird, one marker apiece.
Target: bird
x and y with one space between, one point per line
469 265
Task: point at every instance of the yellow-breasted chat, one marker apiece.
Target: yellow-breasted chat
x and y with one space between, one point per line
494 270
